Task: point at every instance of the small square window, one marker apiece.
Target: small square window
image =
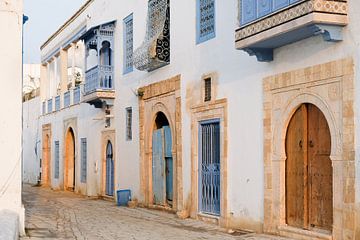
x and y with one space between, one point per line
207 89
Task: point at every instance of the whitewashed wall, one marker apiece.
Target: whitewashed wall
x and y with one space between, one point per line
10 124
31 141
239 80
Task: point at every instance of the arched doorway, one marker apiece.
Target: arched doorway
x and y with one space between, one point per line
109 184
70 166
162 162
309 195
45 164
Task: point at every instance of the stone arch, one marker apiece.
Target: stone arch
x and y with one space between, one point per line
280 128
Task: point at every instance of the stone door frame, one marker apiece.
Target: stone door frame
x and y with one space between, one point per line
46 164
107 135
330 87
163 96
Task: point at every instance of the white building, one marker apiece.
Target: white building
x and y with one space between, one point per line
11 210
161 101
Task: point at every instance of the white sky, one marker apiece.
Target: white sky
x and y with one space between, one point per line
45 17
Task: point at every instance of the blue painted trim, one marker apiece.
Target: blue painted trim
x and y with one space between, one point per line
209 121
198 14
125 21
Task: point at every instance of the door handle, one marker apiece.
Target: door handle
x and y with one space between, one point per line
311 144
300 144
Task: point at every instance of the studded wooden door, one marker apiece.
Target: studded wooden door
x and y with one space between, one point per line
309 170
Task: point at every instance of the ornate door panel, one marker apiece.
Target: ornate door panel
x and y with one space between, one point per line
308 170
296 148
320 170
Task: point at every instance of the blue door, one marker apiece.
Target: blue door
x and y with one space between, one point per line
162 166
109 188
209 168
169 163
158 167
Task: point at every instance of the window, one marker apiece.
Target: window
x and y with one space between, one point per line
207 89
205 20
57 159
128 44
83 160
44 108
129 124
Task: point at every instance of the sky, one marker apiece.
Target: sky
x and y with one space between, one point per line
45 17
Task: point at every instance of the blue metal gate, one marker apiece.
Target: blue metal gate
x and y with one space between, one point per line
209 167
109 188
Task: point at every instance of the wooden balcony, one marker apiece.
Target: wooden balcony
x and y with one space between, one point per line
99 85
268 24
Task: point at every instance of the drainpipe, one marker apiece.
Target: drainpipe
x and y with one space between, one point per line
25 19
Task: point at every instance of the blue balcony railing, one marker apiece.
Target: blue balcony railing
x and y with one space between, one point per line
77 93
252 10
50 105
99 78
66 99
57 103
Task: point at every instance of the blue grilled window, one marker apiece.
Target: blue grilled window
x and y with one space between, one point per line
66 99
50 105
77 93
251 10
83 160
205 20
129 124
57 103
57 160
128 44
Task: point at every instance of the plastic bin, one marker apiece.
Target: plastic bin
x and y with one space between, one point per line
123 197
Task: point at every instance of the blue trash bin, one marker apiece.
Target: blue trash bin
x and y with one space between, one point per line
123 197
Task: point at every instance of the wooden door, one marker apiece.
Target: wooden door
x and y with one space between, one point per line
168 163
158 168
109 188
308 170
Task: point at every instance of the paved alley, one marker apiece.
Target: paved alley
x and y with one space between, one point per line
64 215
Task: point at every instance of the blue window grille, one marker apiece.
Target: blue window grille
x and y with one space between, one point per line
205 20
128 124
57 160
83 160
77 95
44 107
67 99
57 103
209 167
128 44
252 10
50 105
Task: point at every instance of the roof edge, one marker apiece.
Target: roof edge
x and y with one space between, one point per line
67 23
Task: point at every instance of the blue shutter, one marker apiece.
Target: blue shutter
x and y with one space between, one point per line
57 159
278 4
248 11
158 167
128 44
205 20
263 7
169 163
83 160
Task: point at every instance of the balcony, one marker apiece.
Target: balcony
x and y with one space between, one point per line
99 85
269 24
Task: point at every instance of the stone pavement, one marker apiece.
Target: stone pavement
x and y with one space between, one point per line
64 215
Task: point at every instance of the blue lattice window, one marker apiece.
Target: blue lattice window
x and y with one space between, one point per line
128 44
205 20
83 160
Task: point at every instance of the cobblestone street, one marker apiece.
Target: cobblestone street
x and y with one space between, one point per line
63 215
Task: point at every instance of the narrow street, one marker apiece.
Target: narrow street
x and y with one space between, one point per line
64 215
